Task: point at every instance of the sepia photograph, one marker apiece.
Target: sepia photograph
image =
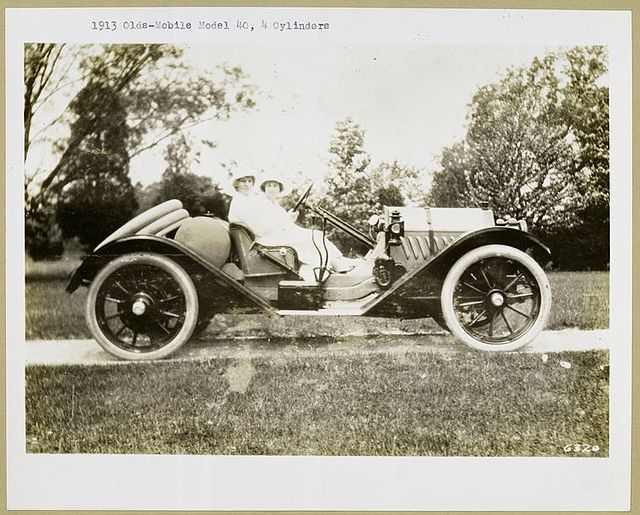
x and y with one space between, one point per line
260 233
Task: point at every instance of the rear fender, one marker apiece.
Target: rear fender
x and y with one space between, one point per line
191 262
422 285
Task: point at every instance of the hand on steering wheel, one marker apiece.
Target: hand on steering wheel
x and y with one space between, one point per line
302 198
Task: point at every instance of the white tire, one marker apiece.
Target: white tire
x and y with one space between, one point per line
496 298
142 306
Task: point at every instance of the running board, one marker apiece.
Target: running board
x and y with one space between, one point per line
322 312
334 308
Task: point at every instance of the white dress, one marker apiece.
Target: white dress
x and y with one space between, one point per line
273 226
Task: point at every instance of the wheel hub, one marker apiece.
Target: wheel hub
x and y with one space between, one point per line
139 307
140 304
497 299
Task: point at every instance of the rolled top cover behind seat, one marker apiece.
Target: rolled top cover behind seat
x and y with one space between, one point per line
144 219
207 237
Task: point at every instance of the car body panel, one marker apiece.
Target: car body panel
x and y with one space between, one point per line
167 247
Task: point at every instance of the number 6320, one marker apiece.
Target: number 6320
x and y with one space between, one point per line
581 447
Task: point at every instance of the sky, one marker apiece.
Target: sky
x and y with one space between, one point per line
411 99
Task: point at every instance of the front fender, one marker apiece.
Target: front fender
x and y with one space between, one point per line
422 285
512 237
191 262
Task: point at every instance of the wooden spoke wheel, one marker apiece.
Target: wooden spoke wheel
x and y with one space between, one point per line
496 297
142 306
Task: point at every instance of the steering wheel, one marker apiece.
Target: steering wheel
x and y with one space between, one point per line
303 197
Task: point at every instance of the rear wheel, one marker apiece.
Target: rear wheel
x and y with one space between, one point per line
496 298
142 306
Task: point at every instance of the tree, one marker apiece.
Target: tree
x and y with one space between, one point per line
40 61
159 95
97 196
519 152
537 148
198 194
113 66
449 185
94 207
585 107
394 184
356 188
43 235
349 184
389 196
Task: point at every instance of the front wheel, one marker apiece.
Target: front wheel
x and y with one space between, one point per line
496 298
142 306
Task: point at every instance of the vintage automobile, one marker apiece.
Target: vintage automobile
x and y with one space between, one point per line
159 279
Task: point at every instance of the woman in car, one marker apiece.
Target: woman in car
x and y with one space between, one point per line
273 225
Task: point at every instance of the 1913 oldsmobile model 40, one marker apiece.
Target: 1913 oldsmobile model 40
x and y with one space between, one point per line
161 277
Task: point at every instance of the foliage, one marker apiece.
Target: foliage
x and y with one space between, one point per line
583 246
198 194
146 196
389 196
355 188
395 184
92 212
160 96
98 196
449 186
349 184
537 148
586 109
43 236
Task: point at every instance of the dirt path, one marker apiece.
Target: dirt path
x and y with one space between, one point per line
88 352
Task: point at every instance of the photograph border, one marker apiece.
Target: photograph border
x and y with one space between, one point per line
633 6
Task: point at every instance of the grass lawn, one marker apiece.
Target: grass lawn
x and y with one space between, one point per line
580 299
419 403
52 313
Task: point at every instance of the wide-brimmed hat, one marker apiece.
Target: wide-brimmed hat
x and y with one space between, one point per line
229 185
273 178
